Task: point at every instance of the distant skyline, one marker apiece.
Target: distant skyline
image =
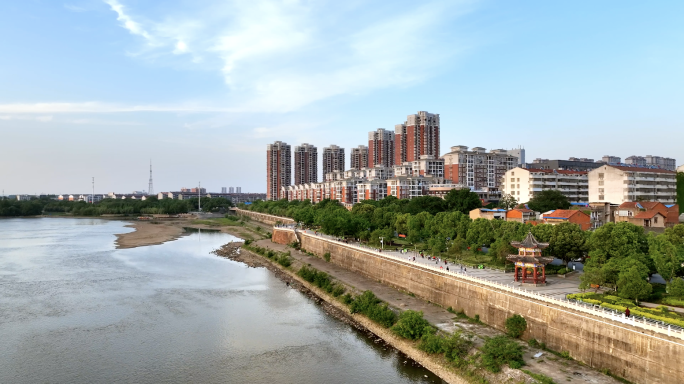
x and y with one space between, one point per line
97 88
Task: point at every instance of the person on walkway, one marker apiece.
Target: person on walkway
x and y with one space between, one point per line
627 312
447 268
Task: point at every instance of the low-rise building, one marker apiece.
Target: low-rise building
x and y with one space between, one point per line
408 187
567 216
680 168
524 183
572 164
642 213
521 215
619 184
489 214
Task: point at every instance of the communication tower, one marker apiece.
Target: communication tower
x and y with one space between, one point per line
150 188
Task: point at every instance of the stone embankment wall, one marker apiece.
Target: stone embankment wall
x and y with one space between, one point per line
633 353
264 218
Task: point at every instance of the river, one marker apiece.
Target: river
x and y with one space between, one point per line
73 309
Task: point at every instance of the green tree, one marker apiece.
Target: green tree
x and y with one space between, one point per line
567 242
515 326
632 285
507 202
462 200
676 288
666 257
680 191
548 200
411 325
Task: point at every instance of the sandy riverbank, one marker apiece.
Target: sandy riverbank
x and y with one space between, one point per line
147 233
154 233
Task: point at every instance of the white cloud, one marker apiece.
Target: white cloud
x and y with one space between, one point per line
97 107
128 23
279 56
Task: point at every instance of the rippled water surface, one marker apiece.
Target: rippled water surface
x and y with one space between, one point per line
75 310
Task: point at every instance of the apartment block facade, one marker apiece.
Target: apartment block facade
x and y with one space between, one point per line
619 184
305 164
358 158
278 169
653 162
418 136
333 159
524 183
477 169
380 148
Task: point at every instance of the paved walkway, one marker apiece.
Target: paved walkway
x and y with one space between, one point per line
556 287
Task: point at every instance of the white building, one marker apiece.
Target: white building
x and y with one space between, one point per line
523 183
680 168
619 184
477 168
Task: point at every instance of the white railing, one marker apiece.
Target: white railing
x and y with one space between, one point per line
636 321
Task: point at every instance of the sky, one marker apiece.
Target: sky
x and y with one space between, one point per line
93 88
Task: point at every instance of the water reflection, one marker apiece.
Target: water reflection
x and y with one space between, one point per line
74 309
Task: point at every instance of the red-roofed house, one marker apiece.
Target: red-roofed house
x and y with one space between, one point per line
521 215
643 213
567 216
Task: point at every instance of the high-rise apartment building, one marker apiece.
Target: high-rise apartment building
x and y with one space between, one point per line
238 189
224 190
305 164
358 158
477 168
278 169
519 153
652 162
608 159
380 148
231 190
333 159
418 136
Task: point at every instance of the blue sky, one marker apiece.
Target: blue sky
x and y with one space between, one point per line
97 88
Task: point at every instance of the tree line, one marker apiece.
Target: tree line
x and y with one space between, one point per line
614 254
152 205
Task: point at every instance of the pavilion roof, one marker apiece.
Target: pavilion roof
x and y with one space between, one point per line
529 242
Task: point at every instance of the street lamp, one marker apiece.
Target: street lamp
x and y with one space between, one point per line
382 242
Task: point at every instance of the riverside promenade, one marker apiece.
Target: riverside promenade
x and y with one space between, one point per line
556 287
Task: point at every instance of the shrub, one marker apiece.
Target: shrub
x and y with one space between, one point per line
368 304
565 354
562 271
327 256
347 299
411 325
431 343
285 261
501 350
248 242
533 343
456 348
515 326
270 254
542 379
338 290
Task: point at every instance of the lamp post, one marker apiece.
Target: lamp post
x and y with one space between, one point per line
382 242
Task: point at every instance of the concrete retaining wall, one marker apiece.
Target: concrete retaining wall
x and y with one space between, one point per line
264 218
635 354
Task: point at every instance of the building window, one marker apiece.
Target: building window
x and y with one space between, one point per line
600 182
601 197
655 219
601 175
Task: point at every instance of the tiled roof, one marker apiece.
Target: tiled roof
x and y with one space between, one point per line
647 214
564 213
529 242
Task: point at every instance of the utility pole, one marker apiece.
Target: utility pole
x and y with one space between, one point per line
199 197
92 197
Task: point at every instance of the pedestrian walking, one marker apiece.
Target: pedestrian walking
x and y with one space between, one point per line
627 312
447 268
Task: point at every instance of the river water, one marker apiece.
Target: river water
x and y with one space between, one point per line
75 310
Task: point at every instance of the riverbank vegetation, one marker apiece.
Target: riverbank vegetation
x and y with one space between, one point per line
152 205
